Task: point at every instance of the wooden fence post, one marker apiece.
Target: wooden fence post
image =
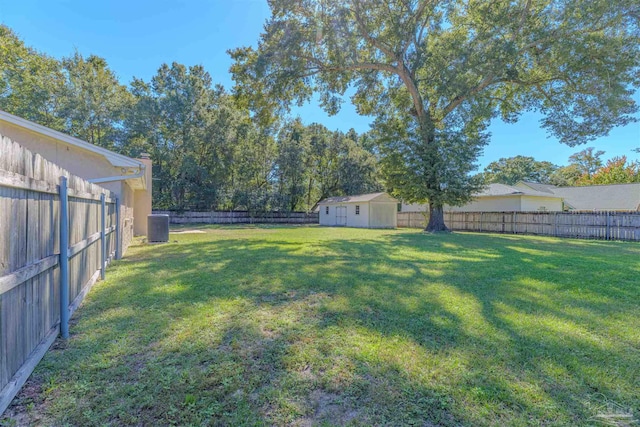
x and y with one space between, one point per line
64 258
103 242
118 231
608 230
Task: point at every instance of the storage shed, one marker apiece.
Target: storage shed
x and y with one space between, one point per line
376 210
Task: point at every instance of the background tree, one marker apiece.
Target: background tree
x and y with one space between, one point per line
192 131
293 147
616 171
94 102
443 70
31 84
566 176
588 161
519 168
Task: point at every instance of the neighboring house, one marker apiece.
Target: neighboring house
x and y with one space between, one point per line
376 210
129 178
533 196
502 198
613 197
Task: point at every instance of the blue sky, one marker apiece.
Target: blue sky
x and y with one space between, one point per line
137 36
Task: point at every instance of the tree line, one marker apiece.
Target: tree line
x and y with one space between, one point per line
208 150
433 75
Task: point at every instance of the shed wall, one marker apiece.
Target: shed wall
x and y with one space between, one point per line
383 215
372 214
361 220
327 219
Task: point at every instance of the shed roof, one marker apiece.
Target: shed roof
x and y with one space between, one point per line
359 198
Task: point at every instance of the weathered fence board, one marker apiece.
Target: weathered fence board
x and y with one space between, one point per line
240 217
30 256
412 220
602 225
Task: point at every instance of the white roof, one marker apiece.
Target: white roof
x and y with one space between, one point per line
359 198
117 160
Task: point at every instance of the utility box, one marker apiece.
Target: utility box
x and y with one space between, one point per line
158 228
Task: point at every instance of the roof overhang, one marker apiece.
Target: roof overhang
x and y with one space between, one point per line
116 160
360 198
549 196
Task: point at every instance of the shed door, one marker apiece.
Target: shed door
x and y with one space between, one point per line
341 215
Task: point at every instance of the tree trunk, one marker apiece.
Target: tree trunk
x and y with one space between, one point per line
436 219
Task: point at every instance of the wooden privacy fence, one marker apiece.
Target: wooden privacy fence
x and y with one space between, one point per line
57 234
240 217
412 219
604 225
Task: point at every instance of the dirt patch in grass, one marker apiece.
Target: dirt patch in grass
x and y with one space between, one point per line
26 406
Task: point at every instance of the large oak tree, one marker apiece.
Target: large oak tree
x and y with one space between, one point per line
434 73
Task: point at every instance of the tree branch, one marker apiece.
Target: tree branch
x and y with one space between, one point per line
350 67
488 80
365 34
460 98
416 38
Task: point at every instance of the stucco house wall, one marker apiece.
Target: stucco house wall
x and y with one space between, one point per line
502 198
551 204
413 207
489 204
134 194
142 201
79 162
610 197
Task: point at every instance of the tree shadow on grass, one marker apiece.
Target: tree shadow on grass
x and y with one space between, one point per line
394 329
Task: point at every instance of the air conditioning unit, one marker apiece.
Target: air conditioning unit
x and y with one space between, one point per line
158 228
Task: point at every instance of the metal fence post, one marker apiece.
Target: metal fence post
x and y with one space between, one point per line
103 243
64 258
118 231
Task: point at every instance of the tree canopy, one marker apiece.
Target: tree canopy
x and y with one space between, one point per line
435 73
520 168
208 150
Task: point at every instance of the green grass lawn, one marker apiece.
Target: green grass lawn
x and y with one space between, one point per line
329 326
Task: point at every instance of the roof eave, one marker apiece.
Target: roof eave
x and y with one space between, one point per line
116 160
